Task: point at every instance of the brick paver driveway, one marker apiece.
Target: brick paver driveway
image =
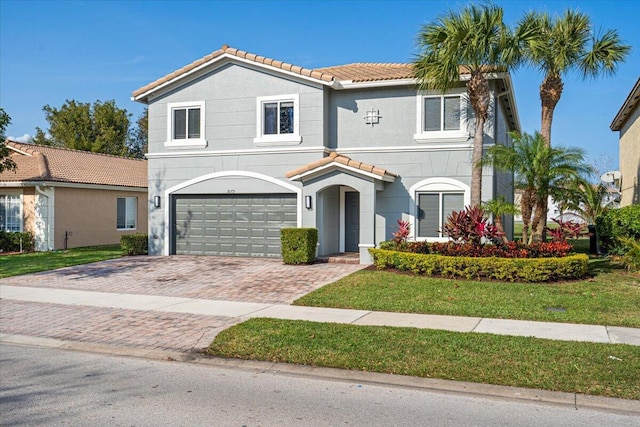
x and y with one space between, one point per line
217 278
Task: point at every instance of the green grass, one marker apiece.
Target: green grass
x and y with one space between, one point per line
14 265
611 297
589 368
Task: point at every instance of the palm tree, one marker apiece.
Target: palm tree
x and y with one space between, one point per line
566 43
585 199
499 207
472 41
537 168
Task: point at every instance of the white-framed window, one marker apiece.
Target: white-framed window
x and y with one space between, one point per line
442 116
278 119
186 124
433 210
127 213
11 212
432 201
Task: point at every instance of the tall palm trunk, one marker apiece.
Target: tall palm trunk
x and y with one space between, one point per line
550 93
526 206
478 89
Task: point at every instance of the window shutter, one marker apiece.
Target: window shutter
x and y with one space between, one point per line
428 215
432 114
452 113
194 123
179 124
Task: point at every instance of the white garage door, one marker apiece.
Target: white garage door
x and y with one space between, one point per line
236 225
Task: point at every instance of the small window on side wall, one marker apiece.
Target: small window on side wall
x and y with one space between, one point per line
442 117
127 213
185 126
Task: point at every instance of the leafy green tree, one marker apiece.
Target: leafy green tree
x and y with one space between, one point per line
472 41
100 128
5 161
140 136
560 44
537 168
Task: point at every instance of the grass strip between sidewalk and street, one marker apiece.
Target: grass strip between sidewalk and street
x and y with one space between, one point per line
588 368
611 297
17 264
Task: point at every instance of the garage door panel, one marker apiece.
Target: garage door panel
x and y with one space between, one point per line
240 225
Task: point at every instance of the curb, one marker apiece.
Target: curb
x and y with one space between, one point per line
574 400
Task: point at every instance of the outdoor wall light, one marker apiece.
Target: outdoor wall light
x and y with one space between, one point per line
156 201
307 202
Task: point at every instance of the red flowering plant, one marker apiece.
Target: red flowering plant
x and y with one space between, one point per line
565 230
402 234
471 226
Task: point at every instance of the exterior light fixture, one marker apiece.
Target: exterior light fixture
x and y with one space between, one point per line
156 201
308 202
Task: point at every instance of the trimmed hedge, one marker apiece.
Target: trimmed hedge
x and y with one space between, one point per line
299 245
135 244
503 269
616 224
10 241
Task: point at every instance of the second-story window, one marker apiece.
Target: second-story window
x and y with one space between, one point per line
442 113
442 117
185 124
278 120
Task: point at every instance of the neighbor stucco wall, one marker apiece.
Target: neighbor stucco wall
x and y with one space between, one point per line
630 159
90 216
28 210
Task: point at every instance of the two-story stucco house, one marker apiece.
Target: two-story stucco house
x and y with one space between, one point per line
241 145
627 121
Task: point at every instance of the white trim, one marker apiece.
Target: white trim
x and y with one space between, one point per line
294 138
366 245
44 211
412 148
251 151
187 142
436 185
350 84
342 232
169 191
335 165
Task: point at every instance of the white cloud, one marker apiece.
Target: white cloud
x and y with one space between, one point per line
26 138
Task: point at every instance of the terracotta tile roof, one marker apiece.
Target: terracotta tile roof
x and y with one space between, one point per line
316 74
367 72
344 160
42 163
633 99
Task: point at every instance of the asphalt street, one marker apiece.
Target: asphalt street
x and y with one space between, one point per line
44 386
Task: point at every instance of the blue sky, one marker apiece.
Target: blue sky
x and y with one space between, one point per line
51 51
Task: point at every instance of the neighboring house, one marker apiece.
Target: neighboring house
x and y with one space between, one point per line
627 121
241 145
69 198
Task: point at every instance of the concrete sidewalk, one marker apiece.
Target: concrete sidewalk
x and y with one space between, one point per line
234 311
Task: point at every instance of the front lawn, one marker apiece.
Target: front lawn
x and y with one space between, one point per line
611 297
596 369
14 265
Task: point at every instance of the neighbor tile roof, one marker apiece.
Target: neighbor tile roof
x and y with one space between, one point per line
42 163
360 72
344 160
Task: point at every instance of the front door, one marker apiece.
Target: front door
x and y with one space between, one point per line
351 221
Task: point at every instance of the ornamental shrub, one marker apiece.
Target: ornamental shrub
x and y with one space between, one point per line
299 245
13 241
470 226
504 269
501 250
631 258
135 244
617 224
